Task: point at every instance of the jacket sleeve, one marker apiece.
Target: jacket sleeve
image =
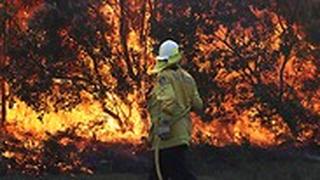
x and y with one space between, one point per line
197 103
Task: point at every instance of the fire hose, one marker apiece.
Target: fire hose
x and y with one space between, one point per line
157 159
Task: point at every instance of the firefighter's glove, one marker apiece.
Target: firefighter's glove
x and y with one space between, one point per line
164 130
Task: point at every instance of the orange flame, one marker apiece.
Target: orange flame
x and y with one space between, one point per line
91 122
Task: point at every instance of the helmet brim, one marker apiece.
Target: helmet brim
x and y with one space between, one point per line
162 58
161 64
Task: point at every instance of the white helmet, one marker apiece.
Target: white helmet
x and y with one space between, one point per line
168 55
167 49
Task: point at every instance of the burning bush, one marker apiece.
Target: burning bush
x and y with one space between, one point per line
75 74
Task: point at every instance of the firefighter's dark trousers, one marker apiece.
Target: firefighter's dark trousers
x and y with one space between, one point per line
173 163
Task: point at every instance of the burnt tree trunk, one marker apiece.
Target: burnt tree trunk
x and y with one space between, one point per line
124 29
2 78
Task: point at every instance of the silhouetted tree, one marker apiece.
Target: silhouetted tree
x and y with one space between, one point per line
10 12
68 46
245 55
244 48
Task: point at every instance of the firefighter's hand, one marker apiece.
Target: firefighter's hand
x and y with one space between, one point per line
164 136
163 131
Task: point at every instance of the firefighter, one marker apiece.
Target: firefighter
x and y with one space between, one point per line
172 98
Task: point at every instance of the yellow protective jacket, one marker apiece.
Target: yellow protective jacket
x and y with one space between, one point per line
174 95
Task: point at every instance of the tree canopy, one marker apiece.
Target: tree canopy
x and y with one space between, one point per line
248 57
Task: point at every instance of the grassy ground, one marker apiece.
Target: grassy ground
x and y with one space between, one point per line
258 170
